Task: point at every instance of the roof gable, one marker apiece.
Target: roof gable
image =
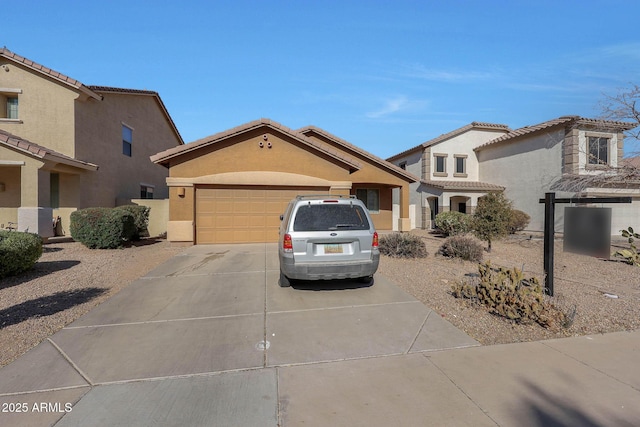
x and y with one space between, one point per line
453 134
390 167
164 157
48 72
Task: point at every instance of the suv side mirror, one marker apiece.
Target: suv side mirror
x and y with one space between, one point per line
281 217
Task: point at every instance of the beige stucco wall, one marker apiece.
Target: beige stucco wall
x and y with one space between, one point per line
158 215
45 109
99 140
244 153
526 168
243 158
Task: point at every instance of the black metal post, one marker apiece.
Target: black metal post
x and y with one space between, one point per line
549 238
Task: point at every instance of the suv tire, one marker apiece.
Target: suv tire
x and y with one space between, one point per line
284 281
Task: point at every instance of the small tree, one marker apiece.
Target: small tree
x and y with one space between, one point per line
492 217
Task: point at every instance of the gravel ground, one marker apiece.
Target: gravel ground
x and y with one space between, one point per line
580 283
68 281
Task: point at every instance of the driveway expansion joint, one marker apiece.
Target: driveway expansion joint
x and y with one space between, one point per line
73 365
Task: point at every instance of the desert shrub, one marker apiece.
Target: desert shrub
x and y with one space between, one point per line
519 221
631 255
452 223
462 246
18 252
491 218
102 228
509 294
140 218
402 245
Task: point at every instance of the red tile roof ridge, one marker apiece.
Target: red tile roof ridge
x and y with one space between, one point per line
359 150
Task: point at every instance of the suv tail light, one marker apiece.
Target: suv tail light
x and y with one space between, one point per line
287 244
374 244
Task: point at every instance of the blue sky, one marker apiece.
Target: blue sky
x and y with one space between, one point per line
384 75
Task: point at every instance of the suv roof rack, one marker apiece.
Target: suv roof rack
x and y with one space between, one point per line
324 196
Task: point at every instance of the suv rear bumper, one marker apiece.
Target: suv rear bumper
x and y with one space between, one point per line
328 271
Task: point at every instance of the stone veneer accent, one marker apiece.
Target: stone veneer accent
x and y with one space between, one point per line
570 164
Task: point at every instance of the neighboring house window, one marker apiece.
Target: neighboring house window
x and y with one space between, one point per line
127 140
598 150
146 191
461 166
370 197
12 107
440 164
403 165
9 103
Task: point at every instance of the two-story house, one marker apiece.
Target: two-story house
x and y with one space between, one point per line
460 166
65 145
533 160
448 171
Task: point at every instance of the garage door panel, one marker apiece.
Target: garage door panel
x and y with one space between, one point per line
242 215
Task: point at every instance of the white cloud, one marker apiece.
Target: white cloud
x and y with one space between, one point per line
395 105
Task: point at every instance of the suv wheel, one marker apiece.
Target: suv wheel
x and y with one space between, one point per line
365 279
284 281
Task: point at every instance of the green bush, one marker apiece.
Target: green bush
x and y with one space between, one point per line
140 218
519 221
452 223
491 218
508 294
462 246
102 228
18 252
402 245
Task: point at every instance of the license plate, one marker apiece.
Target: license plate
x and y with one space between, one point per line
333 249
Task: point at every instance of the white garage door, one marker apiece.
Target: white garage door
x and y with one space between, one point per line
243 214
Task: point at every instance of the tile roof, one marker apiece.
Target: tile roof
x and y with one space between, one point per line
164 156
463 185
381 162
33 149
564 120
452 134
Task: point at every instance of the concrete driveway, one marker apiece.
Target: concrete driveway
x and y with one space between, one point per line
210 339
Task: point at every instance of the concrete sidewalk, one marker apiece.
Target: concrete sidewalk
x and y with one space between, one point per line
210 339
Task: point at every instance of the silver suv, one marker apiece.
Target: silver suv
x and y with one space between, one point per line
327 237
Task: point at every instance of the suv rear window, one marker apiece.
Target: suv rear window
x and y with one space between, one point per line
330 217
